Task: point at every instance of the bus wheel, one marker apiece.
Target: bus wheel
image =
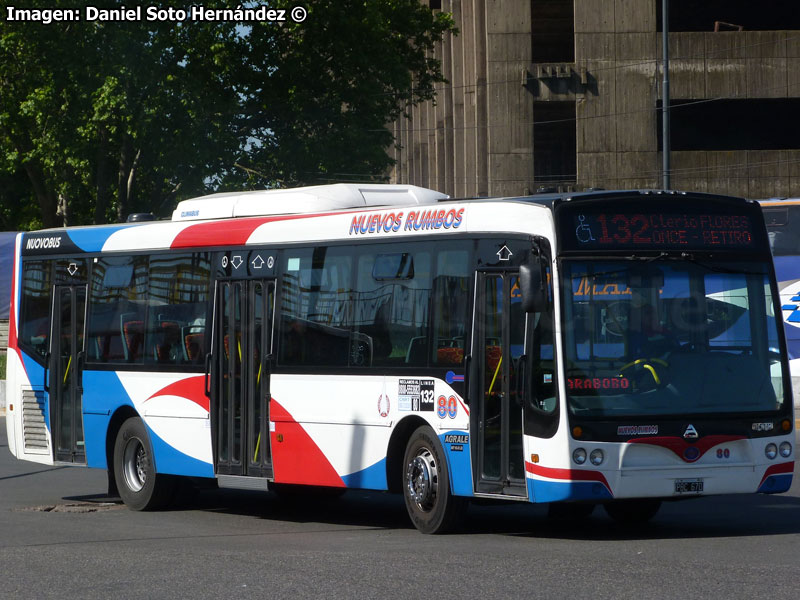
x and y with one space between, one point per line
633 512
139 485
426 485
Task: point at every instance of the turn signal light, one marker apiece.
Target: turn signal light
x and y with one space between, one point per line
577 431
786 425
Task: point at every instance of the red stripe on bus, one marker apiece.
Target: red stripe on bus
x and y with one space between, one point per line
787 467
191 388
229 232
567 474
296 458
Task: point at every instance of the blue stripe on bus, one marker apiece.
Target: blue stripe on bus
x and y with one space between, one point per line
173 462
775 484
371 478
789 307
459 464
787 268
556 491
103 394
93 239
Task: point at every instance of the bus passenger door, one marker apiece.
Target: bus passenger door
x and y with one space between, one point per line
64 379
240 364
498 345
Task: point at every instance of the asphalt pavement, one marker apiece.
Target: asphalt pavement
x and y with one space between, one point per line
60 537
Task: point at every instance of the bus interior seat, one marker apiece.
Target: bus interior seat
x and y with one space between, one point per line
133 337
417 353
193 346
169 336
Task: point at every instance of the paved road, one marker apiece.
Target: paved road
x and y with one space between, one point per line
227 544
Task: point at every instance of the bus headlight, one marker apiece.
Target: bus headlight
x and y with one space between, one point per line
579 456
771 451
786 449
597 457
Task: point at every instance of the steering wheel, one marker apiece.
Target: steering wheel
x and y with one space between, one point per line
643 367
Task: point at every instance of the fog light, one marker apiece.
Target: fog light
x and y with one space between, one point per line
771 451
597 457
579 456
786 449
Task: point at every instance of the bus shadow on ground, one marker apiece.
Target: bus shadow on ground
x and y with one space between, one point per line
352 508
712 517
722 516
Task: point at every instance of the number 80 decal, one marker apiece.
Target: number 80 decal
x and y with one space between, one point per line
447 407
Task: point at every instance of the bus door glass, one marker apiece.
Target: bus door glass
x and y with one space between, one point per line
498 351
240 364
64 365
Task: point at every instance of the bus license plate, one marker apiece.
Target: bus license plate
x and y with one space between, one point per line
688 486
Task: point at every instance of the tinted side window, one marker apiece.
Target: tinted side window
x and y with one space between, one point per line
317 310
117 312
35 314
372 305
177 306
392 302
450 303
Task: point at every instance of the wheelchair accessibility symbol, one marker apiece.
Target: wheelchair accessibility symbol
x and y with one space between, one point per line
583 231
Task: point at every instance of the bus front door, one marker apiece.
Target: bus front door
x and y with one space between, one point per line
64 379
240 362
498 345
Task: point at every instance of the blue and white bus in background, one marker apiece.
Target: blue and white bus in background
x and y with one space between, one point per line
618 348
782 217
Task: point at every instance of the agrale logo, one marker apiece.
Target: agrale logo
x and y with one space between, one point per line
690 433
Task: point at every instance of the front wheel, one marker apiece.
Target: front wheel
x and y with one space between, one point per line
426 485
140 487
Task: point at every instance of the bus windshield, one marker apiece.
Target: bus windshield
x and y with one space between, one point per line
667 337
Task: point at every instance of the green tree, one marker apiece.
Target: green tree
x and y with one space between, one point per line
321 107
107 118
99 119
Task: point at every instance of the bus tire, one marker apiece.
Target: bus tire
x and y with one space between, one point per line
140 487
634 511
426 485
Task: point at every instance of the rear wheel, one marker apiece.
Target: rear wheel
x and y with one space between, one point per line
633 512
426 485
140 487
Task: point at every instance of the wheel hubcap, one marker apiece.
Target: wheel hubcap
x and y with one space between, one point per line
422 479
135 464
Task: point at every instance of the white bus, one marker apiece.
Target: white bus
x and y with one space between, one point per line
782 216
615 348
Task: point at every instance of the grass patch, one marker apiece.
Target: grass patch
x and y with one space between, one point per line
3 366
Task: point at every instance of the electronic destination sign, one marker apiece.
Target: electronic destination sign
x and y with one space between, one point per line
661 225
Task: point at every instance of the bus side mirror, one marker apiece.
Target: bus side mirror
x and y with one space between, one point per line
532 285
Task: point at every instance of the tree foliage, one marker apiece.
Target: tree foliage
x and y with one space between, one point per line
100 119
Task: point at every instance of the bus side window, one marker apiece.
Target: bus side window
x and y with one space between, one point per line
35 318
179 294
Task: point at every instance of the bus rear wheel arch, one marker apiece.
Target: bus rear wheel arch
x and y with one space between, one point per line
140 487
431 504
